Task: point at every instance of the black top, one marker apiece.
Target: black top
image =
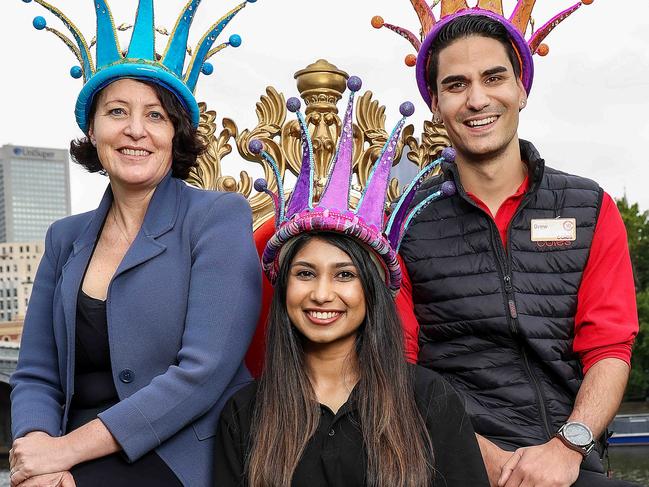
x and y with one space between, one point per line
335 454
93 378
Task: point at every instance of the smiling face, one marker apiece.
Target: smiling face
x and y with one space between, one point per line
324 295
478 98
133 134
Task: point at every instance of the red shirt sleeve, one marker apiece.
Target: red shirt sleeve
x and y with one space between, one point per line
606 322
406 311
257 350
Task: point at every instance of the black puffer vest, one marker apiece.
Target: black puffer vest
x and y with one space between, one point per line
498 323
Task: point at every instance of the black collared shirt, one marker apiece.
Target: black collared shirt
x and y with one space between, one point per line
335 455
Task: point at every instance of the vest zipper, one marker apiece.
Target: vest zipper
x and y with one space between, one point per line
513 319
504 269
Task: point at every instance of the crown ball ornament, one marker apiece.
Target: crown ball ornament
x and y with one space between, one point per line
517 25
335 212
140 60
207 69
407 109
448 188
256 146
448 154
293 104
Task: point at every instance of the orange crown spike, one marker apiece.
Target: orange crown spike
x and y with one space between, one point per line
522 14
449 7
543 32
496 6
425 14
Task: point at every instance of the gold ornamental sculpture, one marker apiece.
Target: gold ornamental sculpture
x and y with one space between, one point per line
321 85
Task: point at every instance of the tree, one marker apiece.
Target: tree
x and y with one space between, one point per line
637 227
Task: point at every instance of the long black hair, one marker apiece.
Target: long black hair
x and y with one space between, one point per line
398 448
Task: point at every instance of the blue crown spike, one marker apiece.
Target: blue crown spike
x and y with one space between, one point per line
447 189
75 50
257 147
402 205
108 50
234 41
143 39
84 52
302 196
174 55
204 45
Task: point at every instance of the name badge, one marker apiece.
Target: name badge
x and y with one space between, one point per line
554 229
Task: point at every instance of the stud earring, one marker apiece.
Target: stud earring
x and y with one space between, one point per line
523 103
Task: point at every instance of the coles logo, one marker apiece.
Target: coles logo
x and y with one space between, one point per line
554 243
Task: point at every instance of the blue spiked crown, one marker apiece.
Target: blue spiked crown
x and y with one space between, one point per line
140 61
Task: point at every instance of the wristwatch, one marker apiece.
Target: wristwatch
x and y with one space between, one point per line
577 436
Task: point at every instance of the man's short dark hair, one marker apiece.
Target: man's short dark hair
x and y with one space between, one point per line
186 145
468 26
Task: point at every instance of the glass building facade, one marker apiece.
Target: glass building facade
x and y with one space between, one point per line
34 191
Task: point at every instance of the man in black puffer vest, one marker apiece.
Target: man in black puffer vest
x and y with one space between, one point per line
521 282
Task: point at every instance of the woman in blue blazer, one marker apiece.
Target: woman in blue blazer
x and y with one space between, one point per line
141 312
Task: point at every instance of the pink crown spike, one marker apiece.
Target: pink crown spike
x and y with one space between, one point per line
425 14
336 193
302 196
522 14
496 6
543 31
372 203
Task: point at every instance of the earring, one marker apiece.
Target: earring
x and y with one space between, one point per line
436 119
523 103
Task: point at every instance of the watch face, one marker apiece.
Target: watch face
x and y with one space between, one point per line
577 434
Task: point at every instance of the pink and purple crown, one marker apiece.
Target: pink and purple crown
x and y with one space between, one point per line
516 26
333 212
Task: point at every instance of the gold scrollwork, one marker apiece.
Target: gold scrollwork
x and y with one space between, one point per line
321 86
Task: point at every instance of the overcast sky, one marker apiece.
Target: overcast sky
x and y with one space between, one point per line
588 112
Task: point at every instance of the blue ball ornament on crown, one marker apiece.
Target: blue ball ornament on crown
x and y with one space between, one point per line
140 60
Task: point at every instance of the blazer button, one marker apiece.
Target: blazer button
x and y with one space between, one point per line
126 376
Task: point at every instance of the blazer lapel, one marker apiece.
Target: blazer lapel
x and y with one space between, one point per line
160 217
74 270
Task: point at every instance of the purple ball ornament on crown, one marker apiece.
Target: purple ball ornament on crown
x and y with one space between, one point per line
366 221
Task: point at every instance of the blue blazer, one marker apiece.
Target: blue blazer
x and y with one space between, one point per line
181 308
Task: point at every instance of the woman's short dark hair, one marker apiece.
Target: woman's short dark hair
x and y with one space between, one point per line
187 145
468 26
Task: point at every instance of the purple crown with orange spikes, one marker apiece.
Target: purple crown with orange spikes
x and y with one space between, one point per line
516 26
333 213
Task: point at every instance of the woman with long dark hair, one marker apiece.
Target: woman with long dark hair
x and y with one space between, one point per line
337 404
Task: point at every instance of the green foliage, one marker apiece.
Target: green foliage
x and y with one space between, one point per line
637 227
638 387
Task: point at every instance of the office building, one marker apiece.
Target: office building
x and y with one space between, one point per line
34 191
18 264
